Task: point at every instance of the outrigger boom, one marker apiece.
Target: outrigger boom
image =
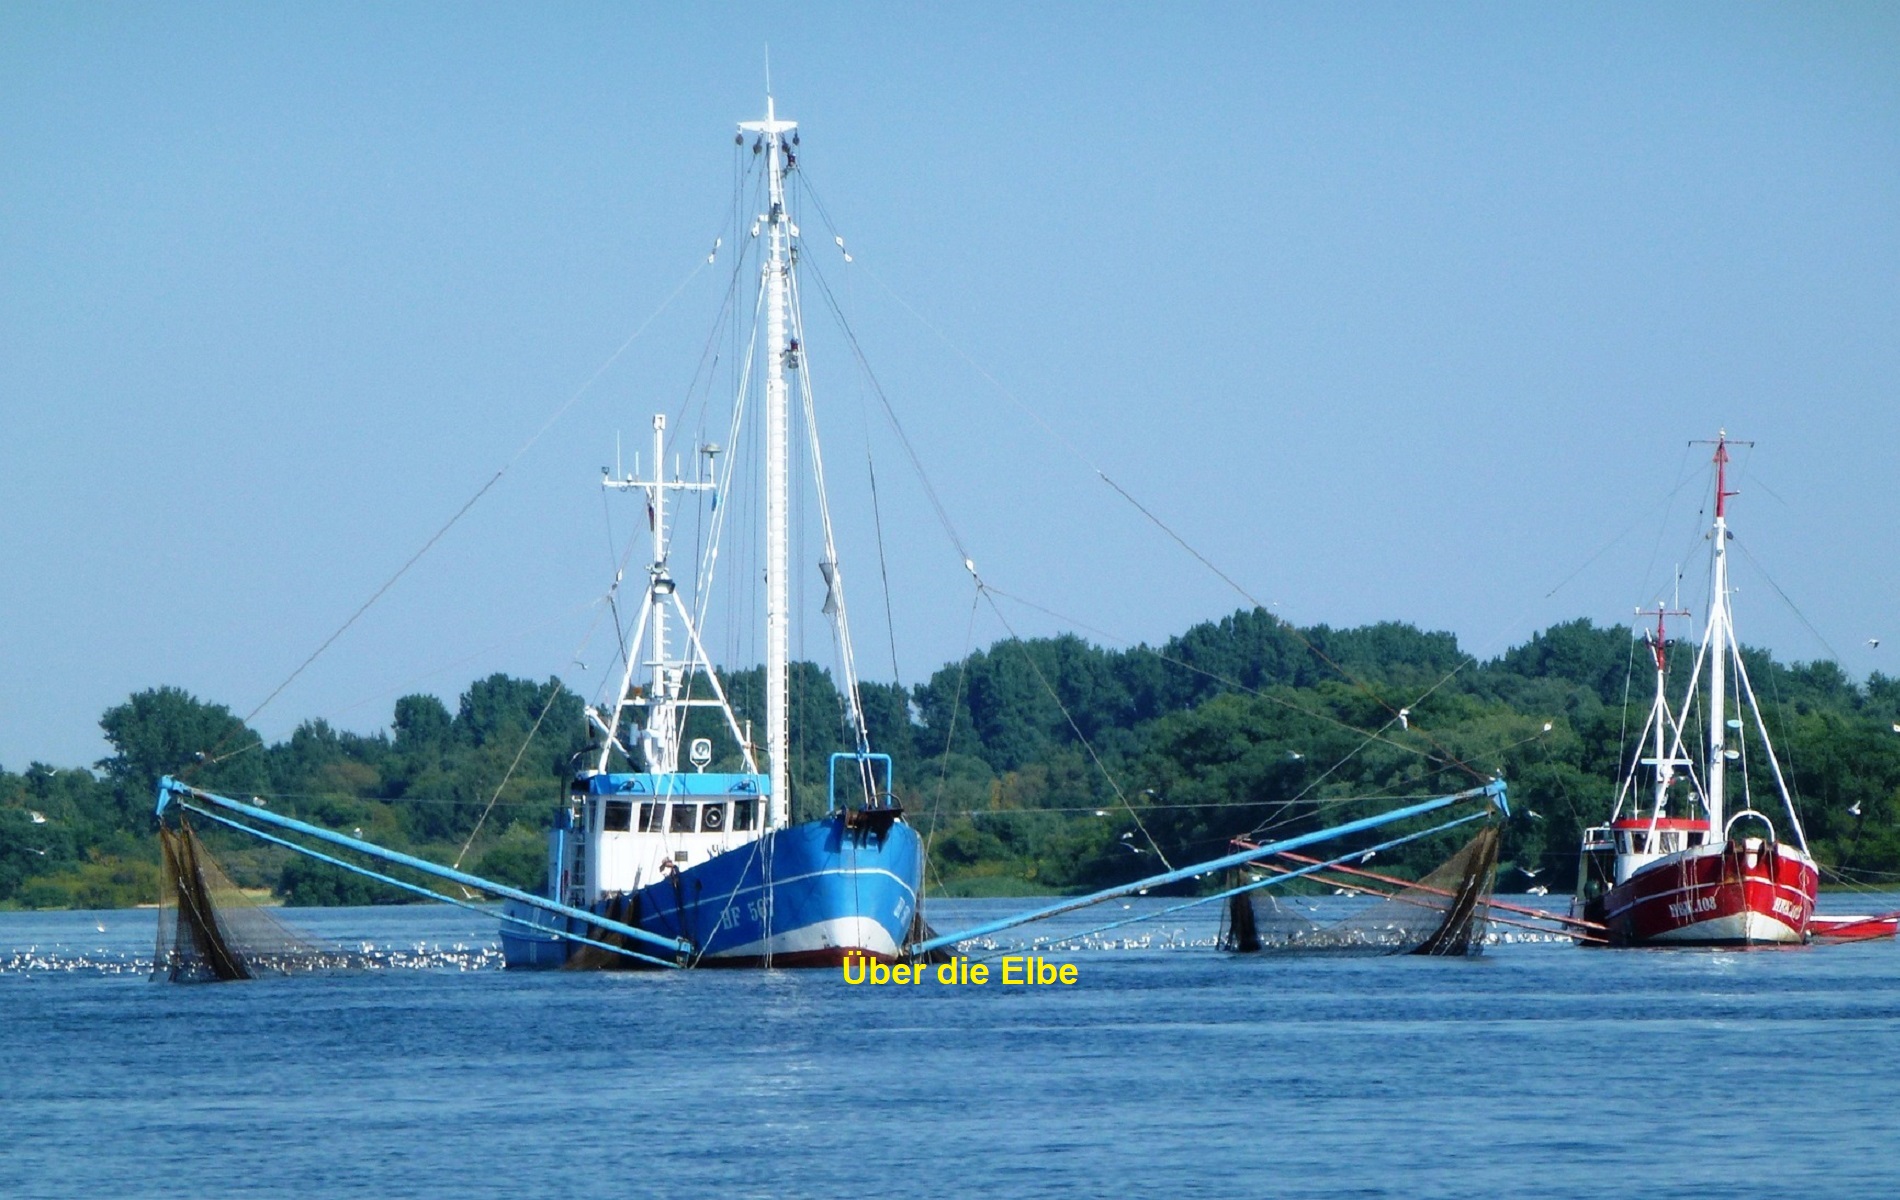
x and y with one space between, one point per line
671 952
1493 793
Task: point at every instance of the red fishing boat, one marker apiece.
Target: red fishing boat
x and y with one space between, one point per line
1682 865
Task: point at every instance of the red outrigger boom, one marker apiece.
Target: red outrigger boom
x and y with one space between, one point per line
1854 929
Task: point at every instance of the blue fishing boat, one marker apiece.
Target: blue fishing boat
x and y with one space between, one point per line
650 837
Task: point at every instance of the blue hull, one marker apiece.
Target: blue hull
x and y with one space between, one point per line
804 896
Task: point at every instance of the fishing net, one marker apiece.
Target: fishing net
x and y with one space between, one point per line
210 930
1445 913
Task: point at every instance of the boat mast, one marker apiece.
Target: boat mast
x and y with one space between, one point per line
660 738
1663 763
667 694
1720 640
777 467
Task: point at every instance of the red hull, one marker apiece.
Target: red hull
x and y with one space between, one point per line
1746 892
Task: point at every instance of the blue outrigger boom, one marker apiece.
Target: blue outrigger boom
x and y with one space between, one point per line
1492 793
667 952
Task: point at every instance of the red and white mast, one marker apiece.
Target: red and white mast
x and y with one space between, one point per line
1660 718
1720 640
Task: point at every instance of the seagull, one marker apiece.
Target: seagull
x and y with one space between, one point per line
1539 890
1101 812
1295 755
1854 810
1368 856
1548 726
1533 814
1874 642
1129 834
1896 727
357 832
1342 891
1529 873
39 818
1132 849
1405 718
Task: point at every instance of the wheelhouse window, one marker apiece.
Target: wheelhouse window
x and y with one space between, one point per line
742 813
1671 842
685 818
651 815
617 816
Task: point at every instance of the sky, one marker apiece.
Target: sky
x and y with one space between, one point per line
1391 312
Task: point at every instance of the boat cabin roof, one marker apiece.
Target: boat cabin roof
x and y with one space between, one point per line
1660 823
687 784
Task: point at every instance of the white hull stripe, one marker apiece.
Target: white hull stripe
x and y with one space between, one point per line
1738 927
858 933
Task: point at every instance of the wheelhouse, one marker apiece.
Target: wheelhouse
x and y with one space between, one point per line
623 831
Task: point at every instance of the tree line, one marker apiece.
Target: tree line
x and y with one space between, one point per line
1031 766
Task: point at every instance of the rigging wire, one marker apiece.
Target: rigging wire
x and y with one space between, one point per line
1077 729
957 542
1799 615
956 709
554 693
440 533
1076 452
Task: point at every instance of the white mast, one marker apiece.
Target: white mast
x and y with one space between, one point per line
662 744
777 468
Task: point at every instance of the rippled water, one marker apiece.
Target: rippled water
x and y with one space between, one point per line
1169 1069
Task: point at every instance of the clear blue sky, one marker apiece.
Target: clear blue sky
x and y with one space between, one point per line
1395 311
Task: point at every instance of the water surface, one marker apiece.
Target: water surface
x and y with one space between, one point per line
1169 1069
